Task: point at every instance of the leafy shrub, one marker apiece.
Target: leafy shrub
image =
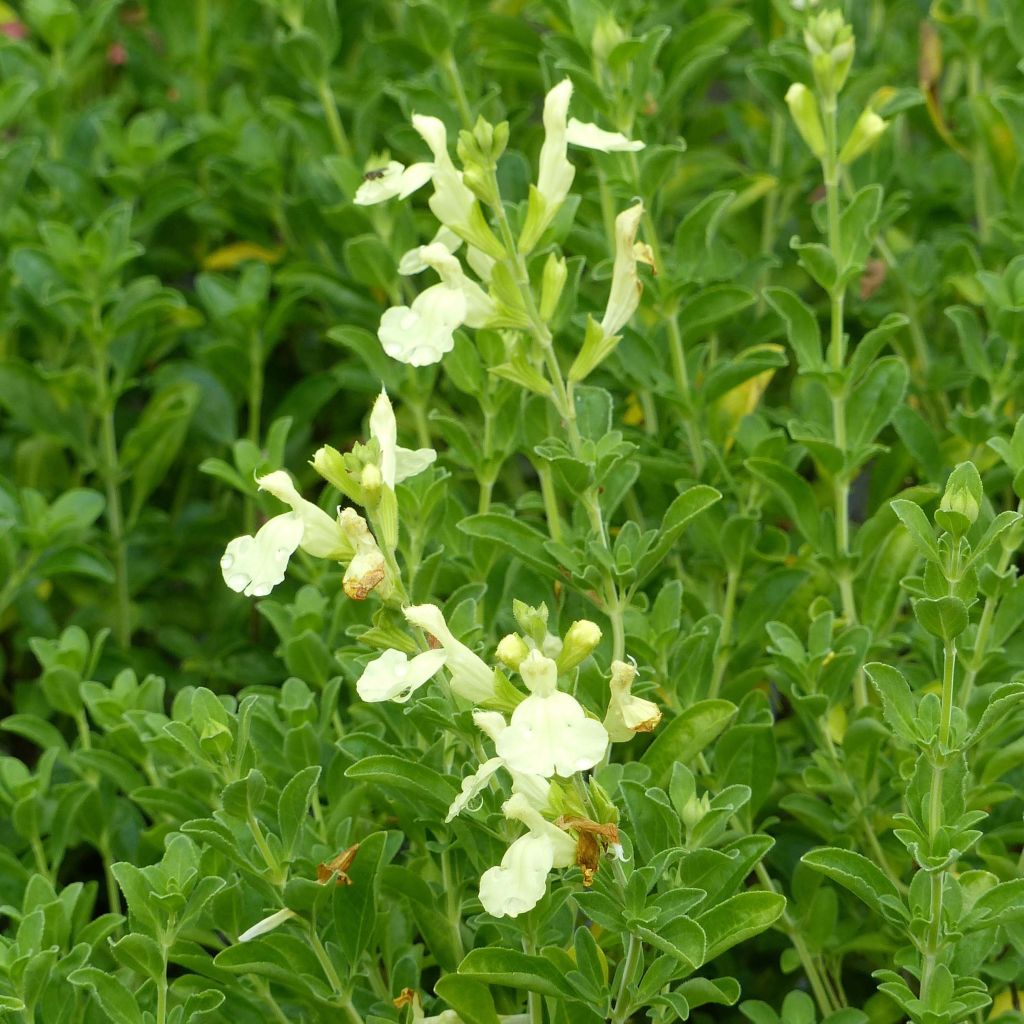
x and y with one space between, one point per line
607 422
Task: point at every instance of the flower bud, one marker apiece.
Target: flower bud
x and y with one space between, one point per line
330 464
831 45
372 481
511 650
866 132
963 491
552 283
963 494
803 107
215 738
579 643
532 621
694 810
607 35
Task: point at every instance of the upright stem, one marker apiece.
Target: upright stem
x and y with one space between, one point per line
934 941
110 472
334 125
837 363
725 633
620 1011
451 69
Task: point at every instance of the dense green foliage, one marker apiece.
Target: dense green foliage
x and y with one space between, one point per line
782 489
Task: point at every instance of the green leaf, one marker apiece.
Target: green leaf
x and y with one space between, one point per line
874 399
140 953
509 967
683 738
920 530
710 307
355 905
115 1000
469 998
1002 904
794 492
293 806
898 704
738 918
400 773
944 617
151 446
863 878
523 541
802 328
685 507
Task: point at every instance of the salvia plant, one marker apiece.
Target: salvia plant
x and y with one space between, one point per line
510 512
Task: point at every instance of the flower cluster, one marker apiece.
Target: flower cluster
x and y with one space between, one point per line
424 332
540 738
254 565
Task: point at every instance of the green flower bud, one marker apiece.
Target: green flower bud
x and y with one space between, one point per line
694 810
552 283
866 132
831 45
511 650
803 106
215 738
963 492
372 482
532 621
330 464
607 35
579 643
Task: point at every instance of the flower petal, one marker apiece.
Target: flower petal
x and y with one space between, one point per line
472 786
421 334
380 185
321 536
255 565
268 924
412 262
552 736
589 136
471 677
384 430
519 882
410 461
394 676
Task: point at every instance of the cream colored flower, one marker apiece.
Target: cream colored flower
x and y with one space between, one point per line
627 287
367 570
255 565
421 334
627 715
555 173
549 732
397 463
394 180
268 924
518 884
452 202
321 535
395 676
472 679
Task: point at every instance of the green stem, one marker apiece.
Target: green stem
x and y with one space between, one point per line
451 69
933 947
334 125
634 948
725 633
814 977
110 472
837 362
